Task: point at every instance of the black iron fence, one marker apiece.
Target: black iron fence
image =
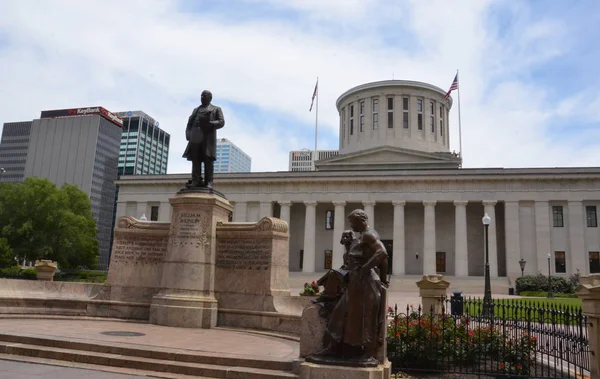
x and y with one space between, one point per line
519 338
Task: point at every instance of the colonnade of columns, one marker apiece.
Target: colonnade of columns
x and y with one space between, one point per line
399 245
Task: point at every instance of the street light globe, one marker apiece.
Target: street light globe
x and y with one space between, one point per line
486 219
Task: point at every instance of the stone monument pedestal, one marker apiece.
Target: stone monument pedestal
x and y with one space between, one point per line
187 297
319 371
432 289
45 270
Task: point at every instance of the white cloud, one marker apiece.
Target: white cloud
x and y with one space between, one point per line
148 55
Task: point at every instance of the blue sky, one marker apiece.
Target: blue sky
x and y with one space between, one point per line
529 72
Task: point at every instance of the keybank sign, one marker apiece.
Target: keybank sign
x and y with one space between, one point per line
87 111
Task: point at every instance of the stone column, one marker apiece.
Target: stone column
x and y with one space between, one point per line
285 211
240 211
579 257
513 239
432 289
121 209
461 250
339 215
370 211
489 208
186 297
429 238
164 211
542 235
142 209
399 261
265 209
589 293
308 265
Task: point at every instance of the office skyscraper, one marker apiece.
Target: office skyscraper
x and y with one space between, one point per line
13 150
144 146
303 160
231 158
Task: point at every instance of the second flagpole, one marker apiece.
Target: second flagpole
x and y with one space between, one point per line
459 123
315 157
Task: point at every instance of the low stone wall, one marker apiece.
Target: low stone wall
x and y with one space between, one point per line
66 299
250 284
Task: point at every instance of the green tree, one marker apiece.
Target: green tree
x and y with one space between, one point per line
40 221
7 255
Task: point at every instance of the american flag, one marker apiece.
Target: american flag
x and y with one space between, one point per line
453 86
314 95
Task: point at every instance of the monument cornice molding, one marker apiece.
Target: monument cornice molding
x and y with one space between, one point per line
128 222
266 224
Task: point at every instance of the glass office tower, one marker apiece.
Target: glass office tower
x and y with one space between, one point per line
231 158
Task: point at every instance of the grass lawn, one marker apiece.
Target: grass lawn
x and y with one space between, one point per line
535 309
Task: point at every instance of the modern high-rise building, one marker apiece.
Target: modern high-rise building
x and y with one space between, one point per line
144 146
302 160
231 158
13 150
77 146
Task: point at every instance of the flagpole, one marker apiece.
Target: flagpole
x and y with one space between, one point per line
459 121
316 126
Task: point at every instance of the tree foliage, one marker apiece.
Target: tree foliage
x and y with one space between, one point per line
40 221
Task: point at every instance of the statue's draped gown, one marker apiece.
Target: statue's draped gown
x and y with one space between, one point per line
355 320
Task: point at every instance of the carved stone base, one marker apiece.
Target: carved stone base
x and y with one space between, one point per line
310 370
338 361
210 191
184 312
186 297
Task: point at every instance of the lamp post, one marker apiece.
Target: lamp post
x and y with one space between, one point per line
550 294
488 308
522 263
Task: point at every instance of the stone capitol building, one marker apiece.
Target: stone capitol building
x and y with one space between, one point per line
395 163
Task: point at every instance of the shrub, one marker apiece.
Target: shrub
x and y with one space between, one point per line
545 294
29 274
539 283
13 272
434 342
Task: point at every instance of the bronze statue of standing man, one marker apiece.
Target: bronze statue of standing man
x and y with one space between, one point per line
201 134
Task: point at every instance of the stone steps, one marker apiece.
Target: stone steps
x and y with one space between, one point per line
87 366
159 360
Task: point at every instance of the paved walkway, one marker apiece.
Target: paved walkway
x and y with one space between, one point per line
215 341
21 370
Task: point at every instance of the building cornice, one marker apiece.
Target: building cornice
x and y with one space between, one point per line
392 83
468 174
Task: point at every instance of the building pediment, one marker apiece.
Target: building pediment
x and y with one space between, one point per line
388 158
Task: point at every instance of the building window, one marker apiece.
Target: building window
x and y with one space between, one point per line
560 262
343 123
557 216
362 123
594 262
432 116
390 101
592 219
154 213
419 114
329 220
405 112
375 114
441 120
362 107
351 119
